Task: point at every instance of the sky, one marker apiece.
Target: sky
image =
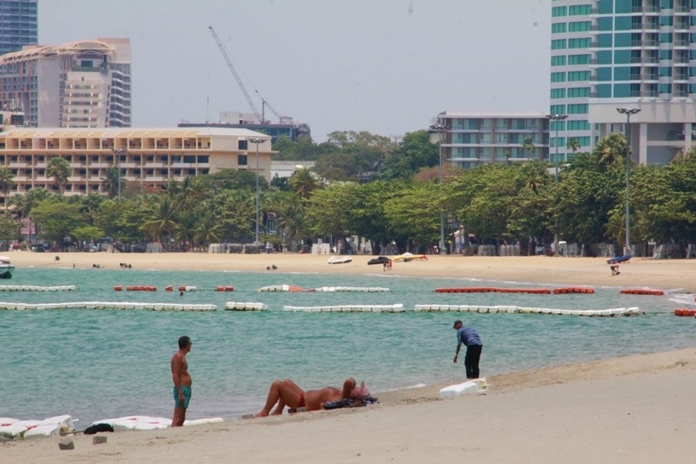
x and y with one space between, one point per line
383 66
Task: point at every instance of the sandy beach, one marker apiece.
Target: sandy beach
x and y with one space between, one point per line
624 410
640 272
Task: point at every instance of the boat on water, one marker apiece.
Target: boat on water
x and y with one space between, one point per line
406 257
6 267
340 259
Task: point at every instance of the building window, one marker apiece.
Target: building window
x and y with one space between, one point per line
243 145
578 59
558 109
241 160
579 43
579 10
578 92
558 77
558 28
574 76
558 44
578 125
558 60
189 158
558 93
557 125
577 108
204 159
557 11
579 26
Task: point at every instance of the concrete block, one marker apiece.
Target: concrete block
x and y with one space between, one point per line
98 439
66 444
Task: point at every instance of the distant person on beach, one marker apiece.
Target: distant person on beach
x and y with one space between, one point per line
469 336
614 269
287 393
182 381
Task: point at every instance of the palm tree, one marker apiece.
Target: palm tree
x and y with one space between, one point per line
507 154
6 183
162 222
60 170
208 230
303 182
111 181
611 150
573 144
528 145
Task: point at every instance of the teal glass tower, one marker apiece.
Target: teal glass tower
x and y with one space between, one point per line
18 24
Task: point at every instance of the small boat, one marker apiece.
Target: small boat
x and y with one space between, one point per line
406 257
6 268
340 259
380 260
620 259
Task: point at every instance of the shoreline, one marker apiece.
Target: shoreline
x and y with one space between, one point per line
642 272
407 424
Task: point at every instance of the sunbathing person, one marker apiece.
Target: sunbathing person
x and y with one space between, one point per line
287 393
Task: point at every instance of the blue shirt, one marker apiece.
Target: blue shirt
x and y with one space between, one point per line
468 336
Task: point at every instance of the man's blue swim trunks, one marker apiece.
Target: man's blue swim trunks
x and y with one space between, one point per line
187 396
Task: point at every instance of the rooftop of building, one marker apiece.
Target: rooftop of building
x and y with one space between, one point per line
113 132
501 115
29 52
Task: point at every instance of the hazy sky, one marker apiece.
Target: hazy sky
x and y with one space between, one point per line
385 66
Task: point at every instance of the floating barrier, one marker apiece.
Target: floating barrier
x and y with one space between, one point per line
12 429
564 290
685 312
35 288
640 291
280 288
540 291
523 310
470 387
350 289
187 288
395 308
107 305
242 306
221 288
141 288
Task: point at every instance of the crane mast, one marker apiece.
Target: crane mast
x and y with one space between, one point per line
236 76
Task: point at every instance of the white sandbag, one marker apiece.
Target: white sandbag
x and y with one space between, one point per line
10 432
211 420
470 387
43 431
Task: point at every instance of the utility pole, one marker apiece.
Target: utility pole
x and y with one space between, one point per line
556 119
441 128
628 112
257 142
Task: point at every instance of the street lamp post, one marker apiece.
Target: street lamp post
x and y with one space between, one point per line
556 119
440 128
628 112
257 142
117 153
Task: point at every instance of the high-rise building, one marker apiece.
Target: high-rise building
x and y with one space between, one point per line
18 24
472 139
609 54
79 84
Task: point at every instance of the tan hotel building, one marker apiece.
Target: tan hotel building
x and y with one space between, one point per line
150 157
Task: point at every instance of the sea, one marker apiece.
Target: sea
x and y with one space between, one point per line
100 364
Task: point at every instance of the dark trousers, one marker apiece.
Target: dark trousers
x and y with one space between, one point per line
471 361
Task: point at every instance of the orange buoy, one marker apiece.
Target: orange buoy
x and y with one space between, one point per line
182 288
219 288
118 288
641 291
229 288
169 288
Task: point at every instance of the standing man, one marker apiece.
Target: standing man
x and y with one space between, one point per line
182 381
469 337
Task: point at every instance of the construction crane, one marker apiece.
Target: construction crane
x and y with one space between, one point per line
236 76
265 104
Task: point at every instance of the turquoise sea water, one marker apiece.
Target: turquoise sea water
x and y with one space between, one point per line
97 364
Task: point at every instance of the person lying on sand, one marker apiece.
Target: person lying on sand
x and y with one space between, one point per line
287 393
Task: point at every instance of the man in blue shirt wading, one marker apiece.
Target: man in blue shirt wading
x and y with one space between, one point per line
469 337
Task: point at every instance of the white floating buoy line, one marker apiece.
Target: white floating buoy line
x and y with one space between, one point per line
107 305
394 308
633 311
244 306
36 288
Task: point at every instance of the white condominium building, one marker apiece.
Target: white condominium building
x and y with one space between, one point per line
81 84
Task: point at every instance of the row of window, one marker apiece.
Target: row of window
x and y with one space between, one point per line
651 90
572 92
625 40
500 153
560 142
570 125
572 60
488 138
575 108
636 73
575 10
571 76
483 124
574 26
562 44
626 6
